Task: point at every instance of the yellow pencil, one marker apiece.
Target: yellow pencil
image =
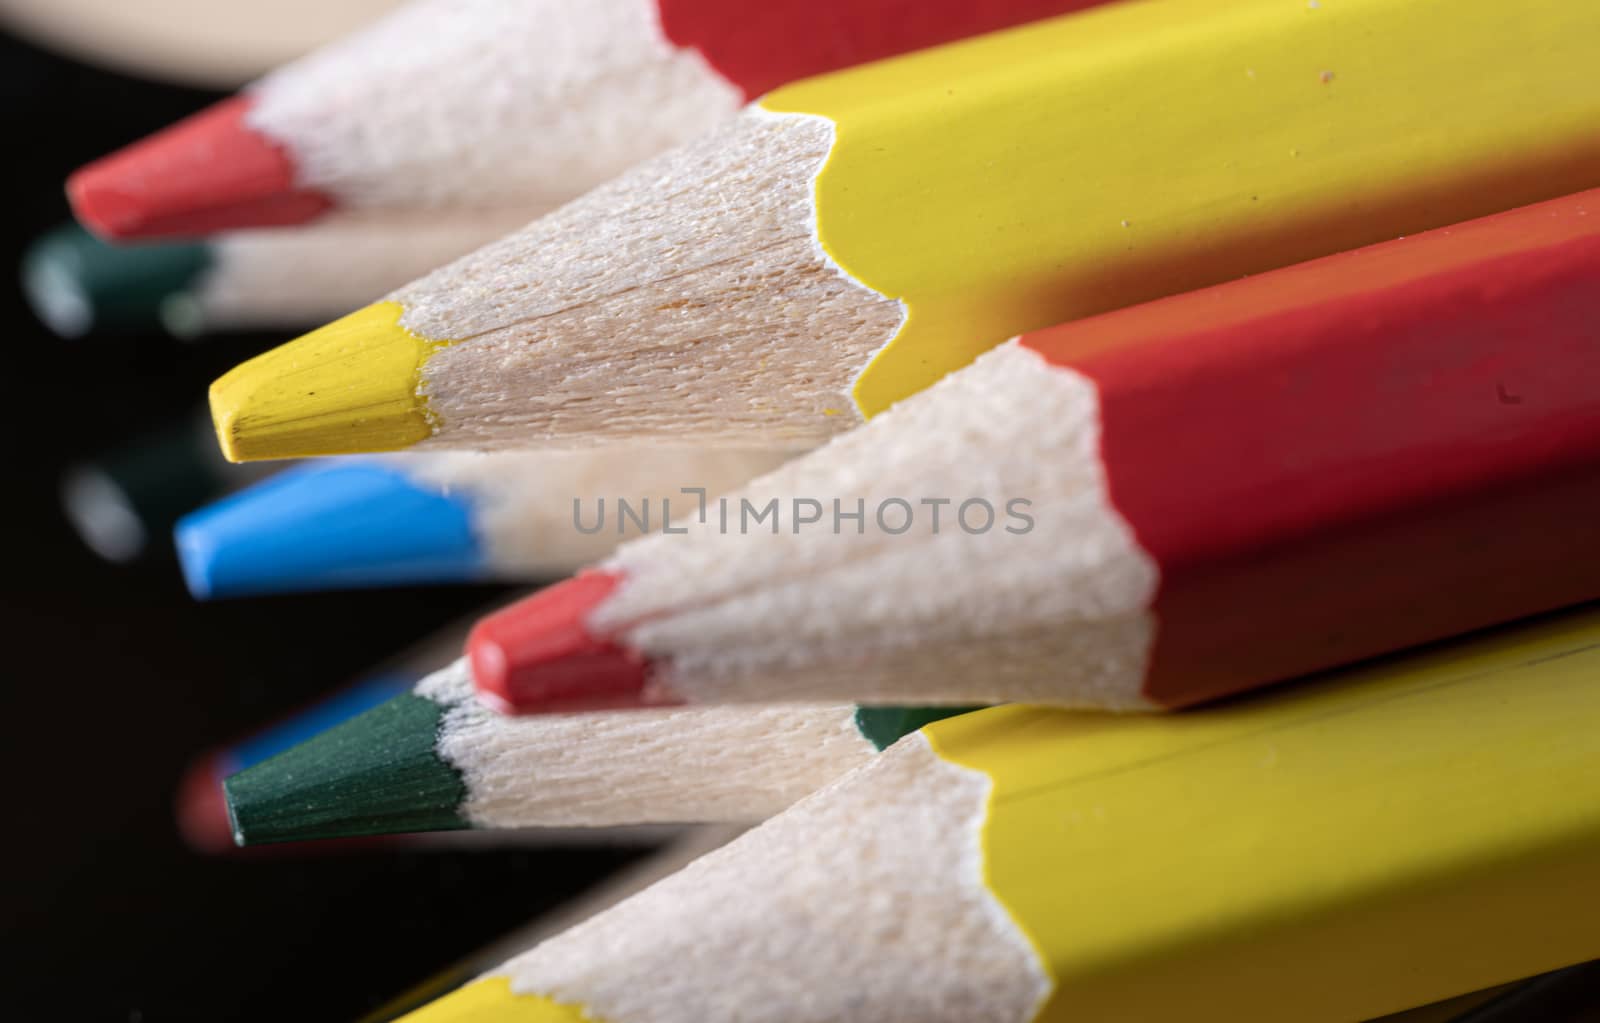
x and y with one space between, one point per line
851 238
1387 837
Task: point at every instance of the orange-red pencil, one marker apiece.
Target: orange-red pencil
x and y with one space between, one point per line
1144 509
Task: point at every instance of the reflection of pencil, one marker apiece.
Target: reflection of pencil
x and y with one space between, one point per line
436 759
1346 849
1146 509
445 517
480 102
854 237
78 284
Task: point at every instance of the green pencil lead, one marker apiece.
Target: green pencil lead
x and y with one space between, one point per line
376 774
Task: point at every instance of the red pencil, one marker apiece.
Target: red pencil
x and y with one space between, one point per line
1145 509
496 102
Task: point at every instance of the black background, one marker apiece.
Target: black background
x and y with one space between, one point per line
114 679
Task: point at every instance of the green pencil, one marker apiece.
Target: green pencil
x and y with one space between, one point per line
436 758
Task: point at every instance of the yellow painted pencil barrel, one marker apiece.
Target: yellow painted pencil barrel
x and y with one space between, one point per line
1148 148
1421 811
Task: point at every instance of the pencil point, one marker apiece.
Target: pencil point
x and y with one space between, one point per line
328 526
346 388
375 774
538 655
209 172
75 283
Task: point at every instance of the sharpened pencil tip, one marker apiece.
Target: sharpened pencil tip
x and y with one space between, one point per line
346 388
538 655
329 526
209 172
376 774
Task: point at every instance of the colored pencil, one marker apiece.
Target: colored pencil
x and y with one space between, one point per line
445 517
1398 834
77 284
1146 509
123 502
202 810
202 807
438 759
852 238
1503 1003
522 102
671 857
700 841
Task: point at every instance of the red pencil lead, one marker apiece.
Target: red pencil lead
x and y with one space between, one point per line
209 172
539 655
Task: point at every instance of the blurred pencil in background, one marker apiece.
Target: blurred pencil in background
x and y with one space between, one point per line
79 285
190 41
124 502
447 517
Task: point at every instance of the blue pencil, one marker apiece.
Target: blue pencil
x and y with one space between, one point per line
445 518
